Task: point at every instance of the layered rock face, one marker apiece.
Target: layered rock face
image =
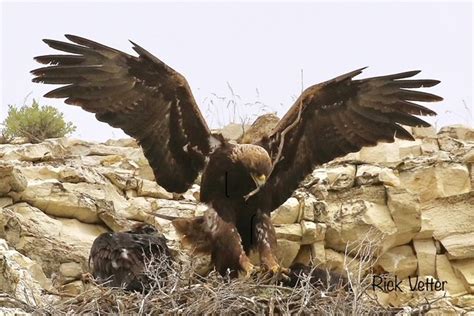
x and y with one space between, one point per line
415 199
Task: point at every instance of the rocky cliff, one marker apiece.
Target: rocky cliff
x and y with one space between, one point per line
415 200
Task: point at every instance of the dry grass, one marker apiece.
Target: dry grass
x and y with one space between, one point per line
183 291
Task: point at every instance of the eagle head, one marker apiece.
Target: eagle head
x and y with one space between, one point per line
255 160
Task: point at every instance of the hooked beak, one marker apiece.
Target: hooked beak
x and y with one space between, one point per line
259 179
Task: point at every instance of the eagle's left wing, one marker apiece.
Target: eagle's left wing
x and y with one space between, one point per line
337 117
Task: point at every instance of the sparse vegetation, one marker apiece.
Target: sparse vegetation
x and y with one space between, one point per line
184 292
36 123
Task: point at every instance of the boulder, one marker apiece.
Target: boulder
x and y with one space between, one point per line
431 182
233 131
312 232
405 211
152 189
424 132
21 277
50 149
389 177
400 261
82 201
50 242
122 142
11 179
459 246
287 213
354 220
385 153
341 177
287 251
449 216
464 269
458 132
318 253
445 272
425 250
291 232
368 174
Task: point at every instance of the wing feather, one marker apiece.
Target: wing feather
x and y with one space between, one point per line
337 117
141 95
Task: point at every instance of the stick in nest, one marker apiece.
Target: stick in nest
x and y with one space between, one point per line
278 158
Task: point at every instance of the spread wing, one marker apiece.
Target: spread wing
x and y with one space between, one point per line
341 116
141 95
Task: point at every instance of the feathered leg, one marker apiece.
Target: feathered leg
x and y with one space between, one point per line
210 233
266 242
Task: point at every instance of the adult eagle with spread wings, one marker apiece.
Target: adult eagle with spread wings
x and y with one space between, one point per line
241 183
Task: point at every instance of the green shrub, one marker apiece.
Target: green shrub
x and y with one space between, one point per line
36 123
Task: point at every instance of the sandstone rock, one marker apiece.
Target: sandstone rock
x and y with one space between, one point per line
318 253
312 232
367 174
447 216
459 246
308 204
449 144
457 131
341 177
443 180
291 232
5 201
423 132
21 277
382 153
429 146
11 179
400 261
48 241
464 269
464 301
123 179
287 251
445 272
71 270
233 131
388 177
354 220
122 142
409 148
174 208
152 189
426 255
72 200
287 213
342 264
48 150
73 288
405 210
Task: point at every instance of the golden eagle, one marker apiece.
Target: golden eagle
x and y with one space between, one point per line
241 183
121 259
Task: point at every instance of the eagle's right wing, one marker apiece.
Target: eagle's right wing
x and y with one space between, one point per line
141 95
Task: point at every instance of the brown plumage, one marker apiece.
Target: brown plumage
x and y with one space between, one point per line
317 277
242 184
119 259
